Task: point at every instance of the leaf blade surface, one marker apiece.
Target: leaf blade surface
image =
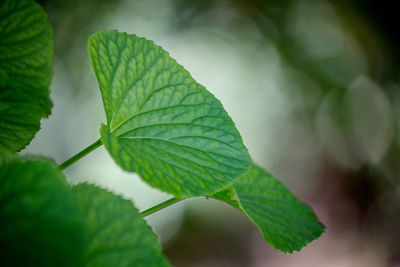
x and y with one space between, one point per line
116 234
39 220
285 222
161 123
26 49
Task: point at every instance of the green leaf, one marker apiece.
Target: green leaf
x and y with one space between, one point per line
26 49
285 222
161 123
117 235
40 224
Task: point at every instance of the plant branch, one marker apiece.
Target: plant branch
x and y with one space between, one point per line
80 155
160 206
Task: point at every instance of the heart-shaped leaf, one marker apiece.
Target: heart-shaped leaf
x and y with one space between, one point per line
116 233
285 222
161 123
40 224
26 48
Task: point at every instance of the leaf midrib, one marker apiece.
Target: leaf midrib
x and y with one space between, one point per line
148 111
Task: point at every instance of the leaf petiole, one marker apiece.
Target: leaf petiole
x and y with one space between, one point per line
160 206
80 155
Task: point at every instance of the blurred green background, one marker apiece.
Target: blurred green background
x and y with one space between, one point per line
314 89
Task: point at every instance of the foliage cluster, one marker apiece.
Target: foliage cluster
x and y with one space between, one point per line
161 124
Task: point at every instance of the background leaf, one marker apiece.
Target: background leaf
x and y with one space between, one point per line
116 233
26 48
285 222
161 123
40 223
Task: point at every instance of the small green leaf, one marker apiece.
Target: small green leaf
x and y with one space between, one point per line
285 222
40 224
26 48
116 234
161 123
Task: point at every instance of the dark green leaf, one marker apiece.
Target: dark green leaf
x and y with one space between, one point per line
40 224
117 235
26 49
161 123
285 222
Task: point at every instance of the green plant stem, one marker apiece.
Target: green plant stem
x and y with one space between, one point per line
159 206
80 155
